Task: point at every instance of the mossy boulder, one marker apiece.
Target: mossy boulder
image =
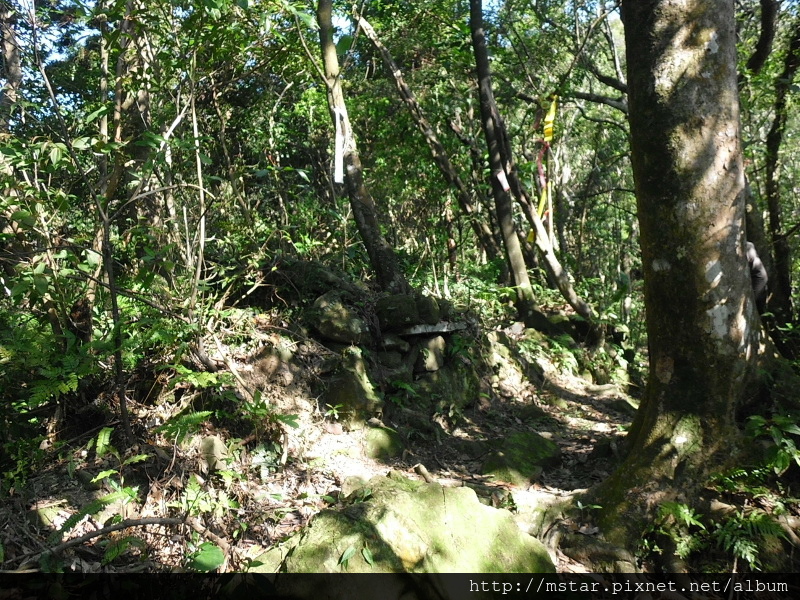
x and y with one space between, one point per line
411 527
428 310
351 390
390 359
336 321
396 312
456 385
382 443
521 457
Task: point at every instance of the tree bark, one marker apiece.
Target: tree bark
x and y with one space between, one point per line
11 65
769 16
701 318
381 255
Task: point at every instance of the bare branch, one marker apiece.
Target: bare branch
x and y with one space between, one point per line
619 103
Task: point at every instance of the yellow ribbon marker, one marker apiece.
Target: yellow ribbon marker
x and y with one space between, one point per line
549 120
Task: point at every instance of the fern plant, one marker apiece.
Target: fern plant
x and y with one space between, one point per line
740 535
679 523
177 428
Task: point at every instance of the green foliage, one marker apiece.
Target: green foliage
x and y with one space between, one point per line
200 379
738 535
180 426
479 291
344 559
404 393
124 495
266 459
263 415
117 547
21 457
262 163
679 523
102 441
333 411
208 557
780 429
204 499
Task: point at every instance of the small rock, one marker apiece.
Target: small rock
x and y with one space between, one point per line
394 343
333 428
214 452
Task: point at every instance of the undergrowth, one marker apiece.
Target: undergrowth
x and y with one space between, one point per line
738 535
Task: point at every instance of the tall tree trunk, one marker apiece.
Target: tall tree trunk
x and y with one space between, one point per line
505 179
702 323
482 231
781 279
381 255
13 239
11 64
492 130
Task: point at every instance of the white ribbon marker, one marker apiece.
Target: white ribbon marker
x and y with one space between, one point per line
338 156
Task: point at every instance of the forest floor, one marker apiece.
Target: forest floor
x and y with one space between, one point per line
273 483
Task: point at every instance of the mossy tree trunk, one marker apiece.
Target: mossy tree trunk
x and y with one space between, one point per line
701 318
381 255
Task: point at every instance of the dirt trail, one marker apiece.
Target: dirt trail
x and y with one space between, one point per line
270 490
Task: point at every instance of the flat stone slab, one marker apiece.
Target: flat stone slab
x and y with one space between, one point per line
440 327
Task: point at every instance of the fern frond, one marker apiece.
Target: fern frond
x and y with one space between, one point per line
180 426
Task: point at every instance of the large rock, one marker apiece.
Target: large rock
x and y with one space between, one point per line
431 355
351 391
410 527
455 385
521 458
428 309
382 443
396 312
337 322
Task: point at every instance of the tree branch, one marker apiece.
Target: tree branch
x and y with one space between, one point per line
621 104
769 15
109 529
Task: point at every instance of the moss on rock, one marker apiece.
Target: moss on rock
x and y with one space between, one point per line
411 527
521 458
